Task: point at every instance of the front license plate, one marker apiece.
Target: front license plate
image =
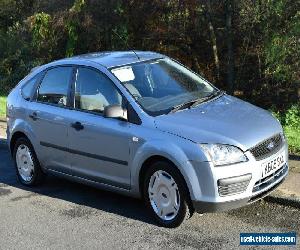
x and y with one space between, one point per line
272 165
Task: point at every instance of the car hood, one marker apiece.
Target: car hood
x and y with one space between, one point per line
226 120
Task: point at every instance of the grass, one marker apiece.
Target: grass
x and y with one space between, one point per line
2 106
293 138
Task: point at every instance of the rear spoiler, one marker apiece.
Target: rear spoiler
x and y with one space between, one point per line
35 68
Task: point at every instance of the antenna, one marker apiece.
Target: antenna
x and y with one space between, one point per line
126 44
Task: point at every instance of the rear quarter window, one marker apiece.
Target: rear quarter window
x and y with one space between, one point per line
28 88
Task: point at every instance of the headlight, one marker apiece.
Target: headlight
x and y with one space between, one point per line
282 134
221 154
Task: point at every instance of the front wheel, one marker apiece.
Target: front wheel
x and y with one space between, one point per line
166 194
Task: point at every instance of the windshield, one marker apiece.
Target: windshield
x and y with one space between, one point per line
160 85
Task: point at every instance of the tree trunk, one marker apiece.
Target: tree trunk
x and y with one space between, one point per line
230 56
213 38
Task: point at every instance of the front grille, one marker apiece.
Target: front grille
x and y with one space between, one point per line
269 180
232 189
264 149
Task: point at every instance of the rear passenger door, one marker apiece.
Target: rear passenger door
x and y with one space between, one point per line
49 118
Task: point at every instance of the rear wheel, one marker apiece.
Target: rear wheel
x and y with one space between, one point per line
166 194
28 168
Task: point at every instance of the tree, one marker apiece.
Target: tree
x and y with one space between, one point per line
229 42
213 37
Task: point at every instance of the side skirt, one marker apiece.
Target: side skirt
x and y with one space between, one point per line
92 183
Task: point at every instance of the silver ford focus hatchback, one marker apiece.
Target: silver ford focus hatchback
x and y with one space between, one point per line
144 125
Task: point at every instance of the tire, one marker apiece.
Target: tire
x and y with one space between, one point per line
164 174
28 169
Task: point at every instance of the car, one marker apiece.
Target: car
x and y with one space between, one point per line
144 125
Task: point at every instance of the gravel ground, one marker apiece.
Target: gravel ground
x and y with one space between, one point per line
65 215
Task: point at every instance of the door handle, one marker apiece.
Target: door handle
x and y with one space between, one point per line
77 126
33 116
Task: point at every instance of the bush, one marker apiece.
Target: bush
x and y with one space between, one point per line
292 128
291 125
292 116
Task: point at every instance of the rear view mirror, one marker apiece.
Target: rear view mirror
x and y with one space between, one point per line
115 111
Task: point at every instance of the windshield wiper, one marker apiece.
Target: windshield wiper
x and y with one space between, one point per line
183 106
196 102
207 98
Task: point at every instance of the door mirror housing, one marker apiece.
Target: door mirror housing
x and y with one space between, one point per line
115 111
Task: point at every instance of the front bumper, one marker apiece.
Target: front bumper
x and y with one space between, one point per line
211 207
235 186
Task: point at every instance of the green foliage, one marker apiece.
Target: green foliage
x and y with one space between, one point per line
40 29
42 36
72 38
14 57
292 135
276 55
282 47
292 128
78 5
265 34
2 106
291 124
72 26
269 51
292 117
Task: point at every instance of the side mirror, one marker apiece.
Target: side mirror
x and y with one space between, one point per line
115 111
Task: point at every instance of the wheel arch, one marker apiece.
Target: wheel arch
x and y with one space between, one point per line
166 151
16 135
147 163
21 128
155 158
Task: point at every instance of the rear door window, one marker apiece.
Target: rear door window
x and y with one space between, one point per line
55 86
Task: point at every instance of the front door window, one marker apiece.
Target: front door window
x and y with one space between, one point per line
94 91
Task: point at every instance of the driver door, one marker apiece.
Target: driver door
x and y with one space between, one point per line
100 146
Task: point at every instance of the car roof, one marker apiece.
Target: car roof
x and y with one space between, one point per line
110 59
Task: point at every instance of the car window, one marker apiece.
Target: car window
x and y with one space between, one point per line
27 89
94 91
55 85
